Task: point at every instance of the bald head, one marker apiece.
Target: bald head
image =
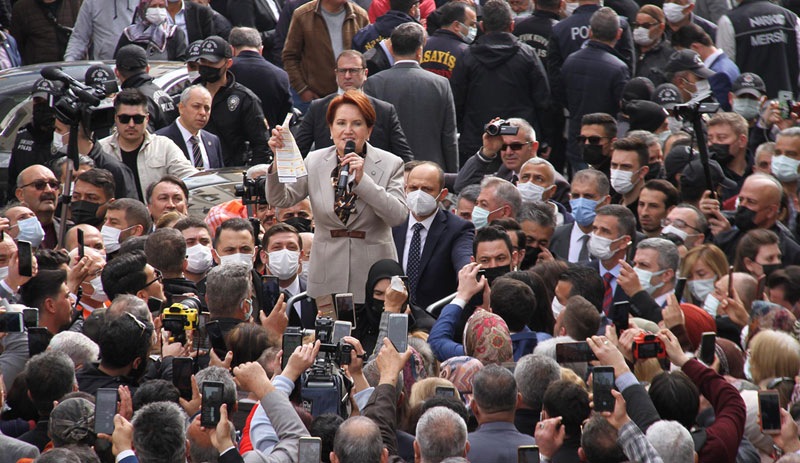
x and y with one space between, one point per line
761 194
91 238
358 440
745 285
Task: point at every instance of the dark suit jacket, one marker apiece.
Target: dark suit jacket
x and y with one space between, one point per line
267 81
308 311
212 144
559 243
199 21
448 247
387 134
619 294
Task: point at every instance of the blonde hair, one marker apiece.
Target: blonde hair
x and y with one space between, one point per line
773 354
708 253
568 375
424 389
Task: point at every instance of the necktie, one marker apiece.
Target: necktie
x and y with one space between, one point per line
197 157
584 254
608 296
412 266
514 179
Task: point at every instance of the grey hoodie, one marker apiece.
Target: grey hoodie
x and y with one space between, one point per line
98 28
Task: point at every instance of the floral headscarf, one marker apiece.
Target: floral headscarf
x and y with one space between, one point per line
486 337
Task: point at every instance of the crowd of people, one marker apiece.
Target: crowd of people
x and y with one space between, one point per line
558 230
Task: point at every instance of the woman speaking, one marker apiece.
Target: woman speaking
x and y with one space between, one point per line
353 223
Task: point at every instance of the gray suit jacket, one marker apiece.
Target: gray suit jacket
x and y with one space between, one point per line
288 427
12 449
424 103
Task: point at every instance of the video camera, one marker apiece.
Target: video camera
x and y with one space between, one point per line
500 127
252 188
339 352
324 388
179 317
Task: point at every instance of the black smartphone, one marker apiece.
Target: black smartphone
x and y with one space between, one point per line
182 375
446 391
528 454
11 322
30 317
341 329
398 331
769 411
679 288
154 305
570 352
602 383
25 258
730 281
344 303
212 399
216 338
620 315
481 273
38 340
707 347
80 244
309 450
272 291
105 407
291 341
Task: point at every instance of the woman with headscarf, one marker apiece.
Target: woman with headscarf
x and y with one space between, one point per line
152 31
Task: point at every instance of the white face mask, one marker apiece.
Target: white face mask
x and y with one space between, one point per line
702 88
674 124
111 238
283 263
621 181
30 230
600 247
237 258
531 191
472 32
674 12
156 16
700 289
193 75
3 273
198 258
748 108
557 307
420 203
710 305
642 36
99 294
570 8
784 168
58 142
675 231
645 277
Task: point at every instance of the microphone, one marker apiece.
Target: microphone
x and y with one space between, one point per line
82 91
344 173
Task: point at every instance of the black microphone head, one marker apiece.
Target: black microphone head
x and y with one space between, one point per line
350 147
52 73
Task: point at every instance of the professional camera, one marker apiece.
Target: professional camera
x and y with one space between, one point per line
696 106
500 127
339 353
179 317
647 346
252 190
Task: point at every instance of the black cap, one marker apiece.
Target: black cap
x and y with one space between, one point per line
193 52
131 57
98 74
667 95
750 84
638 88
695 175
214 49
678 157
43 88
688 60
645 115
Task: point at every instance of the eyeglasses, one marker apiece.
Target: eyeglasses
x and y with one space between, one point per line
646 25
126 118
678 223
158 277
514 146
345 71
141 325
41 184
593 140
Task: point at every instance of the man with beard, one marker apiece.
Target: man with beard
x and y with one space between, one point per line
93 191
34 140
727 143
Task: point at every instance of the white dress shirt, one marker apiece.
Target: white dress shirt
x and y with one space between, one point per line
426 224
294 290
186 140
575 243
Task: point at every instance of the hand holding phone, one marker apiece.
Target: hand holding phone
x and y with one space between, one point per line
398 331
769 411
602 384
708 347
24 259
104 410
212 392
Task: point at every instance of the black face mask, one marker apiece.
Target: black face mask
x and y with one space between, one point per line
531 255
769 268
44 117
496 272
744 219
593 154
210 74
721 153
377 305
654 172
85 212
302 224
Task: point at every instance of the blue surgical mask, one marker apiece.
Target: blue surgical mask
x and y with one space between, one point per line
472 32
30 230
480 216
249 301
583 209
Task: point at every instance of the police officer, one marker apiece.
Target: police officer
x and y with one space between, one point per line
447 45
761 37
536 29
33 144
236 114
132 71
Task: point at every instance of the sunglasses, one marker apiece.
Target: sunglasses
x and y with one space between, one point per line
126 118
139 323
593 140
514 146
41 184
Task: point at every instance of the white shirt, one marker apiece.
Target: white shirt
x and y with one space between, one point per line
186 140
712 57
575 243
426 224
180 21
294 290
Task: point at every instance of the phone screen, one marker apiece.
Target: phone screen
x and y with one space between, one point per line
398 331
30 317
104 410
291 341
445 391
528 454
707 348
340 330
182 376
309 450
679 287
769 410
602 383
344 303
11 322
568 352
620 315
38 340
25 256
212 399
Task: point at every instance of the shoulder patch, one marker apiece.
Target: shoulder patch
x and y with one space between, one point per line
233 102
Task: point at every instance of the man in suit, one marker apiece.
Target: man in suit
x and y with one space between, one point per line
590 190
424 101
651 279
200 147
432 244
351 73
197 20
269 82
281 252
